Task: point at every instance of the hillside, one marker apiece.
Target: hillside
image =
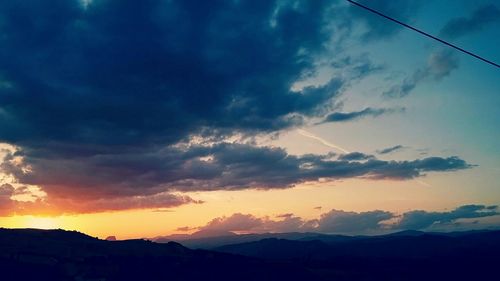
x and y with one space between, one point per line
29 254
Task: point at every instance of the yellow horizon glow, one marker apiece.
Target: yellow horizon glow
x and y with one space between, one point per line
349 195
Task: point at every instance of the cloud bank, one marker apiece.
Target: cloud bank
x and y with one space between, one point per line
345 222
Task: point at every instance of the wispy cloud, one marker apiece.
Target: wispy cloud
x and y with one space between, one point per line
390 149
355 115
440 64
479 19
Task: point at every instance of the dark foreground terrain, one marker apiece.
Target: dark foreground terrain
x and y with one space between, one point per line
29 254
61 255
400 256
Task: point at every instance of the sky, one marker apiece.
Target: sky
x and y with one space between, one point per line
152 118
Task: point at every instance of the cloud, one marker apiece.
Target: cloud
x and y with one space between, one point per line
154 80
355 156
390 149
104 102
93 99
185 228
356 115
224 166
338 221
247 223
440 64
236 222
6 204
379 28
422 219
59 206
356 67
479 19
344 222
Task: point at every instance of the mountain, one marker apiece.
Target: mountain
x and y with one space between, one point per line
29 254
400 256
397 245
200 240
214 240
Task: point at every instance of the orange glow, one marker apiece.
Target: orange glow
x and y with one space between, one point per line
350 195
42 222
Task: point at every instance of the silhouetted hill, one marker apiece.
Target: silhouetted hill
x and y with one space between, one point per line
30 254
400 256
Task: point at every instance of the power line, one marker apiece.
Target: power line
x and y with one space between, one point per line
424 33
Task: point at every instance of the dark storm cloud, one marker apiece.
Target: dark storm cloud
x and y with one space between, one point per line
423 219
440 64
118 80
122 74
390 149
478 20
97 100
355 115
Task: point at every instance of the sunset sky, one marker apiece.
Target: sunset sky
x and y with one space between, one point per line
150 118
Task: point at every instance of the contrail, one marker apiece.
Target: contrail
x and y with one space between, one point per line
324 142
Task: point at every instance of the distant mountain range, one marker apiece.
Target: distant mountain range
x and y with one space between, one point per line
28 254
408 255
214 240
418 245
405 255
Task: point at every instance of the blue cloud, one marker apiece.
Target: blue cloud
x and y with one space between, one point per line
390 149
355 115
424 219
378 27
478 20
440 64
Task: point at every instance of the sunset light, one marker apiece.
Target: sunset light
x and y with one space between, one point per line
288 139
